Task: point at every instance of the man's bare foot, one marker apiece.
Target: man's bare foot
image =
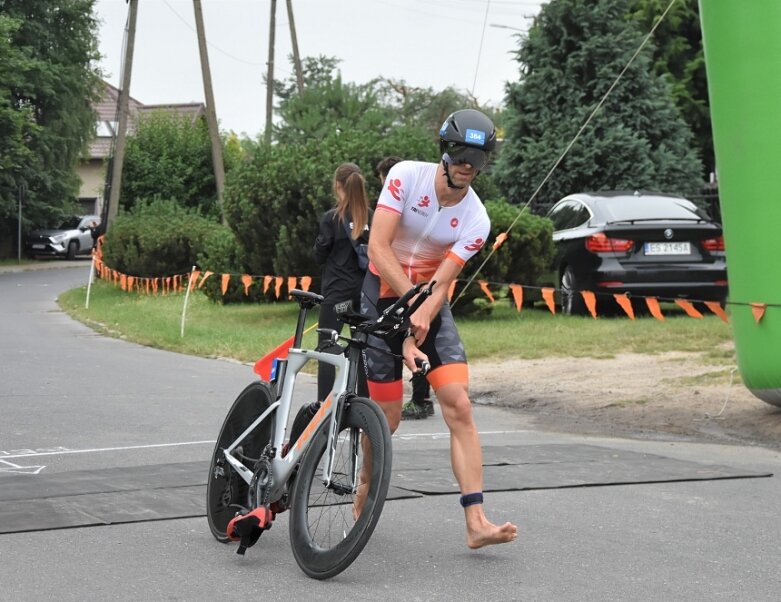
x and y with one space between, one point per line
486 534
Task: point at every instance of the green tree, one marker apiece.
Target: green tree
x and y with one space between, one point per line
48 80
274 202
327 105
169 157
678 56
571 56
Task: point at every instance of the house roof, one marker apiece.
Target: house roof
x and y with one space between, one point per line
107 109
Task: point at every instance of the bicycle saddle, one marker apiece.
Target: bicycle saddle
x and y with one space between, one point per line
305 297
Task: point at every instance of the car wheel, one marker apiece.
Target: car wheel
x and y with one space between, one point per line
73 247
572 302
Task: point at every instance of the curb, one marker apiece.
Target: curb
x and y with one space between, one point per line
45 265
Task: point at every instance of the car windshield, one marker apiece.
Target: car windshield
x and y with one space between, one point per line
70 224
651 208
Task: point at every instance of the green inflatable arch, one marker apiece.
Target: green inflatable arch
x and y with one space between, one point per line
742 42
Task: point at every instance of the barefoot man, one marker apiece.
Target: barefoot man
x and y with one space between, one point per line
427 224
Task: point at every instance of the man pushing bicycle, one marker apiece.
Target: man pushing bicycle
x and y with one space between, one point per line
427 224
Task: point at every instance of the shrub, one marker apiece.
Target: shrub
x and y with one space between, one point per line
522 259
222 255
156 238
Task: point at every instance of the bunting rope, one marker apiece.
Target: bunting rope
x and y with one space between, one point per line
164 285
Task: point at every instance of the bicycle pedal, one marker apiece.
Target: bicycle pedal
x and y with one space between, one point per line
247 528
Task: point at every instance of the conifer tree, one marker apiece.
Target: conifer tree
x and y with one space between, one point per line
571 56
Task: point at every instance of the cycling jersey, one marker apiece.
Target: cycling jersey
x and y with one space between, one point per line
428 233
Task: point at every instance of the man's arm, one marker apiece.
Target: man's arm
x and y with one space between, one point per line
420 321
383 231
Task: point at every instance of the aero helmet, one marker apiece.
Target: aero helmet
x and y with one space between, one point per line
467 136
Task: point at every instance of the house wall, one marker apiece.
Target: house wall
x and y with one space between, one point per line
93 176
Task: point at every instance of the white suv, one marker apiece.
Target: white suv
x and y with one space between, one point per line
72 238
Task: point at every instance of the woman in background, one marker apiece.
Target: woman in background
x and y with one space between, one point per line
343 230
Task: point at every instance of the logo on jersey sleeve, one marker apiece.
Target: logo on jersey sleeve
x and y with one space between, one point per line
475 246
394 187
424 201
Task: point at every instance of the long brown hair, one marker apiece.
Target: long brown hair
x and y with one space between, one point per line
354 200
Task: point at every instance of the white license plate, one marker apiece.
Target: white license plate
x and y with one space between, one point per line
668 248
39 246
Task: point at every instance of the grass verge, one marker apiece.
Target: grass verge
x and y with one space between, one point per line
246 332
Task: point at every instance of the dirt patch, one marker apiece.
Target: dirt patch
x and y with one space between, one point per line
677 395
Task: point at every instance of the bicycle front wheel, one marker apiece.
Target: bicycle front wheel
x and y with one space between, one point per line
226 492
327 531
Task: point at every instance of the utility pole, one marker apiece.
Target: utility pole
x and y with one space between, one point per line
294 40
124 95
270 76
211 112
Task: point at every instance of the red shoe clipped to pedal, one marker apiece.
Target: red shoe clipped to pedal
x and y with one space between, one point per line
247 528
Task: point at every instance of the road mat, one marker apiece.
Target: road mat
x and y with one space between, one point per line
167 491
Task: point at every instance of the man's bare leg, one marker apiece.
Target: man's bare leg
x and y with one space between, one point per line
467 459
392 412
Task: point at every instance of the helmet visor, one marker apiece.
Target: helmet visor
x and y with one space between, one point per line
456 154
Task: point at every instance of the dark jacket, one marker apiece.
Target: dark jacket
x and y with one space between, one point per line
342 278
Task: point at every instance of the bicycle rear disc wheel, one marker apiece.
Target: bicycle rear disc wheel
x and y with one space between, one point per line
325 536
226 492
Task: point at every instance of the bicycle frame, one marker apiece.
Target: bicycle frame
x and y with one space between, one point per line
282 467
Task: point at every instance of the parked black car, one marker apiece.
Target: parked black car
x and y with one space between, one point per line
646 244
73 237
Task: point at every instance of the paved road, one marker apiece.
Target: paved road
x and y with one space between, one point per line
71 400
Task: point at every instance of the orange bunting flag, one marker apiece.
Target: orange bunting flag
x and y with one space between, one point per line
291 283
716 308
263 365
688 308
590 300
306 282
147 284
154 286
486 290
193 280
758 309
246 280
500 240
451 290
547 294
654 308
626 304
278 286
205 276
123 282
517 292
266 283
130 281
226 278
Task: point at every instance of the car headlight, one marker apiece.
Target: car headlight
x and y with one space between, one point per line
59 238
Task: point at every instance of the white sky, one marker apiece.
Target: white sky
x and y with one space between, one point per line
433 43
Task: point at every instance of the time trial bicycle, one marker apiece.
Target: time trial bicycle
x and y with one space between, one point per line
334 448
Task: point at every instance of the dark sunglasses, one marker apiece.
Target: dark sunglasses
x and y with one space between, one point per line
456 154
